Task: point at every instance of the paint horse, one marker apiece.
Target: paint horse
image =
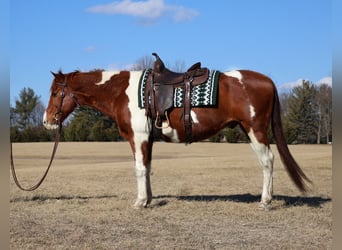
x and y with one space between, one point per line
245 98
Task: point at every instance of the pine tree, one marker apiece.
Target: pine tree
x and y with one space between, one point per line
89 124
81 123
23 113
302 112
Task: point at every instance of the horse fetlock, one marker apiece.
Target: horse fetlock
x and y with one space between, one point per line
265 206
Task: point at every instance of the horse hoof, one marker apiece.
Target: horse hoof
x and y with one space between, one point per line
265 206
140 204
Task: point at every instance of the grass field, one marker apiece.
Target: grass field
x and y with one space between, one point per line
205 197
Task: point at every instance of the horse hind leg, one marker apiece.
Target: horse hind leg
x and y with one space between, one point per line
259 144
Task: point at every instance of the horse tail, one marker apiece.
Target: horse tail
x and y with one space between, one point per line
296 173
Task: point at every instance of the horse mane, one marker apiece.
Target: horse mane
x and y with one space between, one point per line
77 71
61 76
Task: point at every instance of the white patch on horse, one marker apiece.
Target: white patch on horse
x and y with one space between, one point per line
170 132
252 111
236 74
48 125
139 120
194 117
141 133
106 75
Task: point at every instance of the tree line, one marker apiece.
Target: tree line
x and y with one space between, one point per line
306 115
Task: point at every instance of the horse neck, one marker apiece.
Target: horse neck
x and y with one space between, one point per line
100 94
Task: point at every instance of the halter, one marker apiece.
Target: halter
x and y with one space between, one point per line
57 116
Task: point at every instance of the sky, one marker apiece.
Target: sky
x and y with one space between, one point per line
288 40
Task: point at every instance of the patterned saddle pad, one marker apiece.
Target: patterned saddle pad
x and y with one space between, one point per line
204 94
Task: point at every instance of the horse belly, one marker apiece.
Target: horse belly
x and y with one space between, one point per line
206 122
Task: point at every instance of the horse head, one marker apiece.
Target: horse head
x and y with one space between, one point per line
62 101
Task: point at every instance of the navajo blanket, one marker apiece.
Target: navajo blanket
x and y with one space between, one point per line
204 94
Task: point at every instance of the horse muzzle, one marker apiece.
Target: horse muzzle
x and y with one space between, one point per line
50 125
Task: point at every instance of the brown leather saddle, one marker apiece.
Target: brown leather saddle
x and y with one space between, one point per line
159 93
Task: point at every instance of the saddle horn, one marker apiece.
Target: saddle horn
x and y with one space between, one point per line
159 65
156 55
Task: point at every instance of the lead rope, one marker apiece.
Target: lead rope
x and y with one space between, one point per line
58 134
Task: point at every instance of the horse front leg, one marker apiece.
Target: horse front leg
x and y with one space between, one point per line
142 156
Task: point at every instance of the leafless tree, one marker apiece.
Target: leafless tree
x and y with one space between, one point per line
324 103
146 62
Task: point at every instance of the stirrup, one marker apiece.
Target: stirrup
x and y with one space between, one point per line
167 121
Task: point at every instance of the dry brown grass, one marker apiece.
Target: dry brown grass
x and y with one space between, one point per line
205 197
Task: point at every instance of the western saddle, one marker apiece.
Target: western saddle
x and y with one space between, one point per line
159 94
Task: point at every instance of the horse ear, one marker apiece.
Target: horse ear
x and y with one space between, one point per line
59 76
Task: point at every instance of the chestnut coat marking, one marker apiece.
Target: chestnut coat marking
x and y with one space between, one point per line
106 75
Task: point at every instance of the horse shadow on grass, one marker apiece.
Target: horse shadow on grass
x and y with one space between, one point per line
289 201
61 197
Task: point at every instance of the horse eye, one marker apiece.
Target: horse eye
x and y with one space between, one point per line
53 94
